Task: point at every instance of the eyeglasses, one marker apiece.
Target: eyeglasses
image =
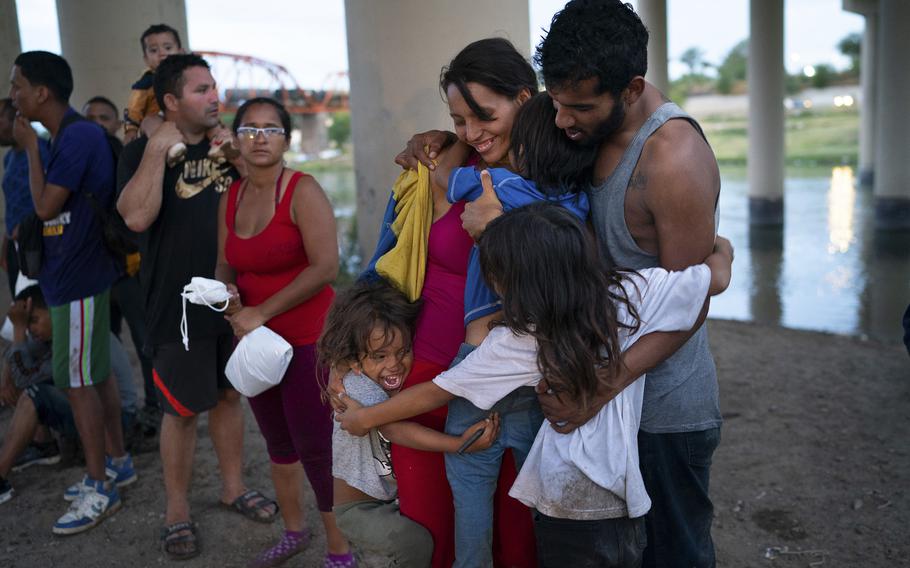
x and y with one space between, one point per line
251 132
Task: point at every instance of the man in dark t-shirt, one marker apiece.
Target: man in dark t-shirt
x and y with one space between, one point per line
175 210
76 274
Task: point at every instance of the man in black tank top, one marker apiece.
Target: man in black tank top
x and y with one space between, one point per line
653 200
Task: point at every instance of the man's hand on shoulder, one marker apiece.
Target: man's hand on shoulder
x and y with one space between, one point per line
165 136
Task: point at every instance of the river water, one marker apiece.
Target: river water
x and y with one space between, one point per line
828 269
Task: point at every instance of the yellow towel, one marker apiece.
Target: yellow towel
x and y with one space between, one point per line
405 265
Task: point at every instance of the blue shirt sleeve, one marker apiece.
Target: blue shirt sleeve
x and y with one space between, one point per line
464 185
73 155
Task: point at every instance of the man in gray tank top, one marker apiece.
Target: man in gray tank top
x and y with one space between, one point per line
653 203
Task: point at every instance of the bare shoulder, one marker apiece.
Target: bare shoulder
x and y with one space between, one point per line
677 158
307 188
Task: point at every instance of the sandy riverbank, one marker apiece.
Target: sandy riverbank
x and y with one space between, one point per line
813 469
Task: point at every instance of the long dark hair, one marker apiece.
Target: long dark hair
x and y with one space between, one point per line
554 287
494 63
544 154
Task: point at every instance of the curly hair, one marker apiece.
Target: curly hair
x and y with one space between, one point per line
492 62
356 313
604 39
554 287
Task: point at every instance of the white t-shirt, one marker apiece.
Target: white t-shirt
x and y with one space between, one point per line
580 475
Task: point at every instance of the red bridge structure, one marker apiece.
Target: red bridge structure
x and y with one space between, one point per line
242 77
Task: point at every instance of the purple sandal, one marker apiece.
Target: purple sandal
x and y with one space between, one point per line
290 544
340 561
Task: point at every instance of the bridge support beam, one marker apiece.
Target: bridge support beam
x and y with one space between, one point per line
892 172
9 49
395 81
765 161
654 15
100 40
868 79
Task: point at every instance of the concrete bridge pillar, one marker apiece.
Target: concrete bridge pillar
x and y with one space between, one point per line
891 188
654 15
10 47
395 52
100 40
765 160
314 134
868 80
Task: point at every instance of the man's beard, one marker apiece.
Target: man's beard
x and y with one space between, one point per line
608 126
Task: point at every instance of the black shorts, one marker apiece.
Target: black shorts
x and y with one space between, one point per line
187 382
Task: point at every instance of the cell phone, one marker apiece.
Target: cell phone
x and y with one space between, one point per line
467 443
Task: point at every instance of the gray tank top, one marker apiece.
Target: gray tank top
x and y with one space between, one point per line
681 393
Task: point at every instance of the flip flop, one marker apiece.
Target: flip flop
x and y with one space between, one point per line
180 546
254 506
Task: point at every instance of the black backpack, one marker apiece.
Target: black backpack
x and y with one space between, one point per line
117 237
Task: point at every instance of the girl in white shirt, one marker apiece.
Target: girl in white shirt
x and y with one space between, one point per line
567 319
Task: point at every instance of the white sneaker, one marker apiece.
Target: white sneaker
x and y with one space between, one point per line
96 501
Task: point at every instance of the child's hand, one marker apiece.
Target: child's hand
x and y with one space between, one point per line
478 213
335 388
722 245
490 428
18 313
720 262
350 419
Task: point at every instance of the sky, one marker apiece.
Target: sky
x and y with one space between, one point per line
311 42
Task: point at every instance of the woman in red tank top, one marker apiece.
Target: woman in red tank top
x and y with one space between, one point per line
277 251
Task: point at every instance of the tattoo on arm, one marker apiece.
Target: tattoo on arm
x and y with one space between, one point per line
639 181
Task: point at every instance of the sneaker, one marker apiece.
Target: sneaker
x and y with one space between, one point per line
121 475
6 490
38 454
97 500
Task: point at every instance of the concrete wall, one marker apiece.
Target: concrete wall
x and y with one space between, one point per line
10 47
395 51
100 40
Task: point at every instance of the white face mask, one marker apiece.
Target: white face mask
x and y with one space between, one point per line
203 292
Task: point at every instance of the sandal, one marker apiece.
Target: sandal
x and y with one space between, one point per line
180 546
290 544
254 506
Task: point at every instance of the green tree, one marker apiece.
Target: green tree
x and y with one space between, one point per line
340 129
693 58
733 67
850 47
824 73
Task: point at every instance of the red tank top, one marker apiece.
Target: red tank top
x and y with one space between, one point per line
268 261
440 324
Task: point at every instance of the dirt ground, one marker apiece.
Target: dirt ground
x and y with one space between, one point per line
813 470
